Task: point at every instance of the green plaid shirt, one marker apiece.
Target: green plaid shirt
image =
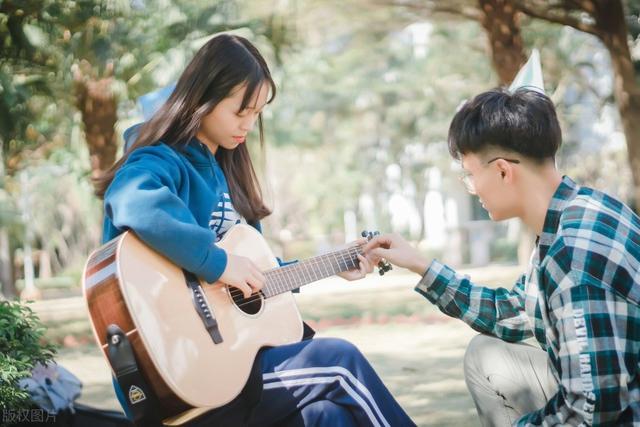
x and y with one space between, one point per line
581 301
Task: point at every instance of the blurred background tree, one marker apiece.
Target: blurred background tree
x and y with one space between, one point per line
66 70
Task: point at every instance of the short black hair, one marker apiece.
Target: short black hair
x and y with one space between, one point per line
524 122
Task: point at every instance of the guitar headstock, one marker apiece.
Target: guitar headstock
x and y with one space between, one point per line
383 265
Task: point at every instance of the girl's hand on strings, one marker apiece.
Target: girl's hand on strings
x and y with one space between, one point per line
364 265
243 274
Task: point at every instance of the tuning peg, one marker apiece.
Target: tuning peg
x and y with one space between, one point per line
384 266
369 234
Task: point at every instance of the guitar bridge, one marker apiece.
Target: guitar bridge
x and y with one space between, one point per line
202 307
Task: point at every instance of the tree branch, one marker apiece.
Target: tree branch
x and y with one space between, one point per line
431 7
466 12
563 19
568 5
586 6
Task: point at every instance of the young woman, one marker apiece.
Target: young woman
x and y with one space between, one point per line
183 183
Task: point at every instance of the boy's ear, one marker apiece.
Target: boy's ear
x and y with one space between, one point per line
506 170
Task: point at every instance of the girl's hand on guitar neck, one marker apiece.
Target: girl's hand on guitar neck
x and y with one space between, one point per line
364 267
243 274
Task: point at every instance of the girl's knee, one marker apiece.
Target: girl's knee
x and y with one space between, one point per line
337 346
334 351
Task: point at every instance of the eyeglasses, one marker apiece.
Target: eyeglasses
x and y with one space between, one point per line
467 179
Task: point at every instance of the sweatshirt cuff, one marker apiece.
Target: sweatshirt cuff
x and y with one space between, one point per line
215 264
435 280
285 263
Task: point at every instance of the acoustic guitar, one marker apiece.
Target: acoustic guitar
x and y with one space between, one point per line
195 342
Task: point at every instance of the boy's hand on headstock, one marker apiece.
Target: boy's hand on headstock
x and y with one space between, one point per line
397 251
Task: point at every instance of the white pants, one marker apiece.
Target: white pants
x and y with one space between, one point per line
506 380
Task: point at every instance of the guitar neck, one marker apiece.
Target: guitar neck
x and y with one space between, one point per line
293 276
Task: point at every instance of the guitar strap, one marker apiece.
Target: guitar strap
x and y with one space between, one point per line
141 400
203 309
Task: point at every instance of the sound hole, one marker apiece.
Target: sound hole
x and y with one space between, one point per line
251 305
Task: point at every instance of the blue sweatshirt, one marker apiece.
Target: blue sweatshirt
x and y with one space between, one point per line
176 199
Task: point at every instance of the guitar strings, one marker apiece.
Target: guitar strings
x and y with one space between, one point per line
235 292
313 262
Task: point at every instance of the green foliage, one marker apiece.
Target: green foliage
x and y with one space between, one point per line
44 47
20 349
359 100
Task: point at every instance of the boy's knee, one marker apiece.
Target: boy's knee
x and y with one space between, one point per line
481 348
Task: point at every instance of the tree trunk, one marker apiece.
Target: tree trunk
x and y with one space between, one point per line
9 290
7 283
612 27
501 22
98 105
502 25
44 265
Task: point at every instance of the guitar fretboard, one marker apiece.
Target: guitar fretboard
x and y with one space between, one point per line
289 277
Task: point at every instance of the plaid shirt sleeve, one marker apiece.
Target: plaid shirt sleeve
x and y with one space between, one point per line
594 353
498 312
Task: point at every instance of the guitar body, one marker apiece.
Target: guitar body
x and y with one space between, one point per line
128 284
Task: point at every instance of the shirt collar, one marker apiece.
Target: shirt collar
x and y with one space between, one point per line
566 191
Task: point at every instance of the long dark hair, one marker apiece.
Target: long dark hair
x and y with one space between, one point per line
223 63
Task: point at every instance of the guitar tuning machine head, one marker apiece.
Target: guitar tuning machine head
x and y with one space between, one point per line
369 234
383 265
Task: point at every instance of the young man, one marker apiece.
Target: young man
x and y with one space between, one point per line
580 296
